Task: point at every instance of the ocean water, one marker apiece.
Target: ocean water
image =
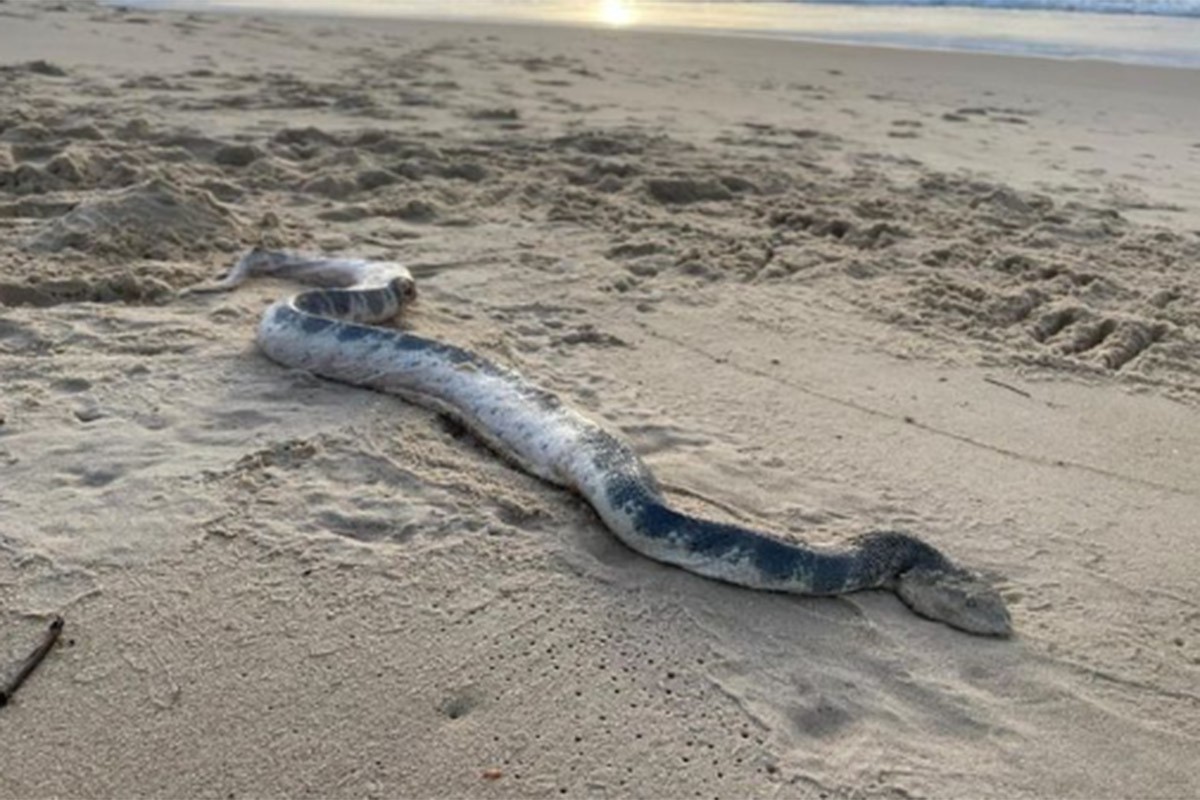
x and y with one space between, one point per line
1156 32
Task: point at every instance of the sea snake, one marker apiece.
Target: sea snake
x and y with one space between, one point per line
328 331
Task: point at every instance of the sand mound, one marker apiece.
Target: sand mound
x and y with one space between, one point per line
124 286
157 219
687 190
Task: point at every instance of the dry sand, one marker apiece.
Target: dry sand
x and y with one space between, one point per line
822 289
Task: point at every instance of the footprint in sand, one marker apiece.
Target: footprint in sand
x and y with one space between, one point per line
905 129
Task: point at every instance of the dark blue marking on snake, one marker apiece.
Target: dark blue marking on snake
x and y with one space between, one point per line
351 333
311 324
323 331
448 352
781 562
632 496
377 302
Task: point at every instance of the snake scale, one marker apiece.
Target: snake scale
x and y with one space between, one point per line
328 330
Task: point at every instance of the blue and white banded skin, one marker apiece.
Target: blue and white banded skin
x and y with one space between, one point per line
329 331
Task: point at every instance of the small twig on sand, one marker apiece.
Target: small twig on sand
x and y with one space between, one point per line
9 688
423 269
1003 385
728 509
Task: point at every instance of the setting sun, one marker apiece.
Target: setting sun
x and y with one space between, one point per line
616 12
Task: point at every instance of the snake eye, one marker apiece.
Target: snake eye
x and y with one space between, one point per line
971 602
406 288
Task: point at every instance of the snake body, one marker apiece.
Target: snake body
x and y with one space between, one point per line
329 331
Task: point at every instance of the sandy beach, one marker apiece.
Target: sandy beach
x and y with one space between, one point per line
822 290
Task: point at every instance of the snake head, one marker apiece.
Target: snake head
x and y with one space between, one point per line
404 287
956 597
